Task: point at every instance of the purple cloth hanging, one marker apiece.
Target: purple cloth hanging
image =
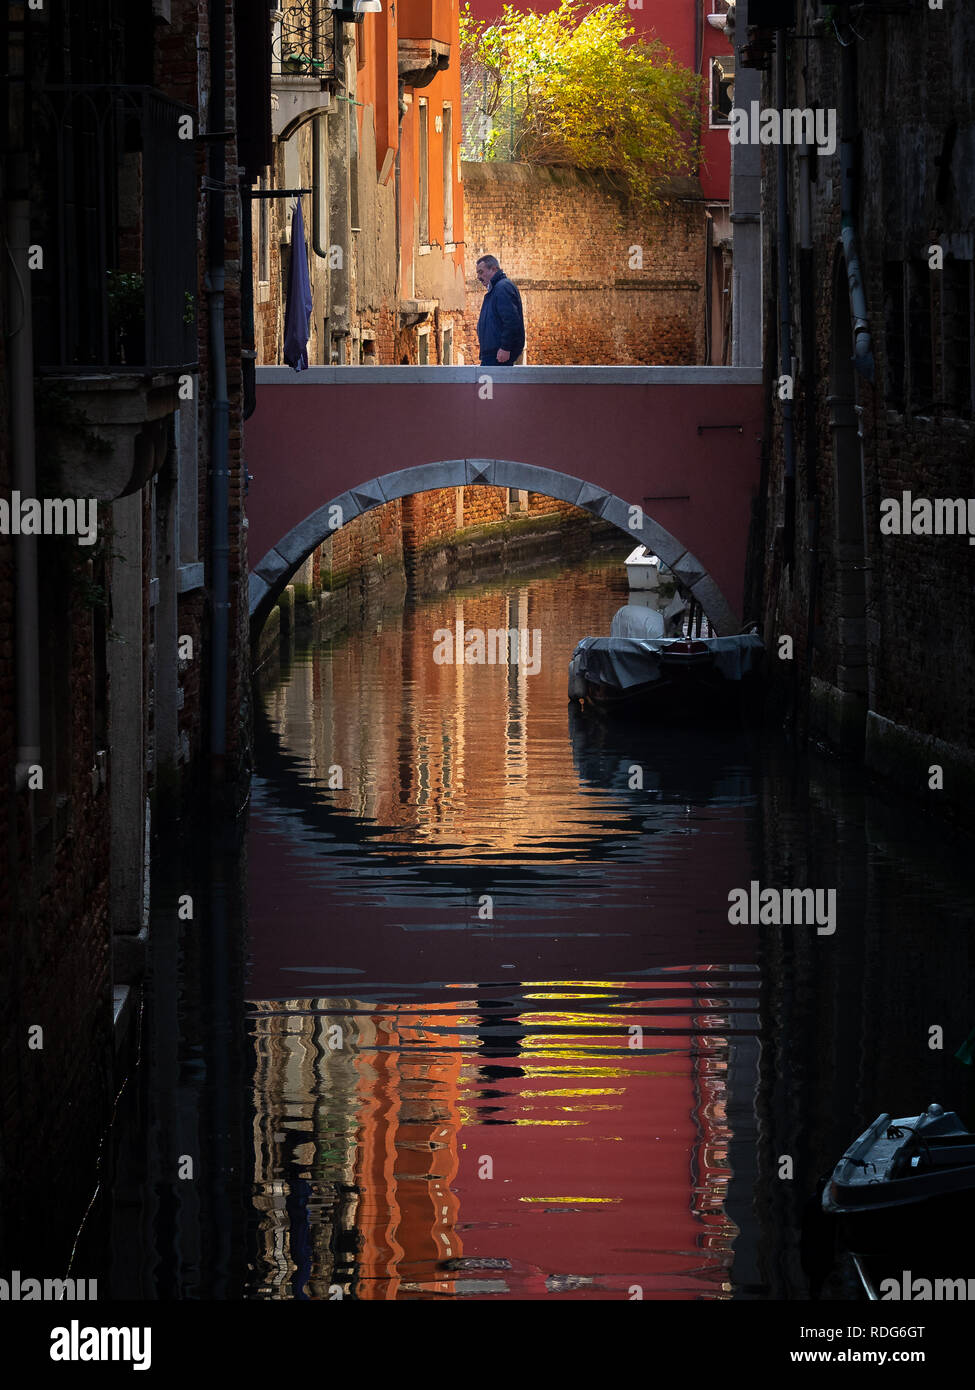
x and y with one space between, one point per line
297 312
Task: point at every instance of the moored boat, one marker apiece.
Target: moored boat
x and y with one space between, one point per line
897 1198
640 669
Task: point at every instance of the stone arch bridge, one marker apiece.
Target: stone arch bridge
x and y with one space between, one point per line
670 455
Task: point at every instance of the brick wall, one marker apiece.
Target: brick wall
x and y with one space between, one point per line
399 533
601 281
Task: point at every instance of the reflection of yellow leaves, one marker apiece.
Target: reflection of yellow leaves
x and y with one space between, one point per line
572 1201
575 1091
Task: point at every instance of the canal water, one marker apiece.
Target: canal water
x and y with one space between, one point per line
467 1018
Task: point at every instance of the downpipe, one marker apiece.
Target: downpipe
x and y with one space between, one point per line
811 387
219 402
785 306
20 354
862 344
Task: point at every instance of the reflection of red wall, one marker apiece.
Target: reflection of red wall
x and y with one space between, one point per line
633 1167
673 22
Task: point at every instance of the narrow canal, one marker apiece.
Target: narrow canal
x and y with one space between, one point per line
469 1020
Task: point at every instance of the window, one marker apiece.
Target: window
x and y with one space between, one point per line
448 180
424 175
319 225
894 332
263 233
958 336
920 356
447 356
187 484
929 334
722 89
423 348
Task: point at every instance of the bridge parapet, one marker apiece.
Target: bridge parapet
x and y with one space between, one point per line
471 374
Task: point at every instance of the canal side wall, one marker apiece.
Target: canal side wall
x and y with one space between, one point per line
880 662
119 673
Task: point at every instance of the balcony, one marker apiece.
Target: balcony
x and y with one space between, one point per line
117 291
115 301
303 58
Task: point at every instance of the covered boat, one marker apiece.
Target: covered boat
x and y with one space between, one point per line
638 667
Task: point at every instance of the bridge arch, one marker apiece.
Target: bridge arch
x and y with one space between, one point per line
273 571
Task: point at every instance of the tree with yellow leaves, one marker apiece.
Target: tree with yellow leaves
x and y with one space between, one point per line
578 86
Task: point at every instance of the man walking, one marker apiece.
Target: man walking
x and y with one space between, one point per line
501 326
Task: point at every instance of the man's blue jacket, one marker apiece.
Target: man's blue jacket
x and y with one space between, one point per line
502 322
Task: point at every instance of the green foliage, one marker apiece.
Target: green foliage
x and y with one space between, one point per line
126 294
578 86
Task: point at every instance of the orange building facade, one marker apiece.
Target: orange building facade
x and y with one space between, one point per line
366 118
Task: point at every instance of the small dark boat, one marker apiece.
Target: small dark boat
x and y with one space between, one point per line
897 1163
896 1198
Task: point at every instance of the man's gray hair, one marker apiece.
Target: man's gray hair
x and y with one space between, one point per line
492 261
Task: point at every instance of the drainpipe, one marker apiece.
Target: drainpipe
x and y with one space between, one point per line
219 402
248 349
807 322
20 354
401 112
862 345
785 305
708 287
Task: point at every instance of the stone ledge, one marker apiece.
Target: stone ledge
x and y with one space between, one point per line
904 756
189 577
131 414
837 714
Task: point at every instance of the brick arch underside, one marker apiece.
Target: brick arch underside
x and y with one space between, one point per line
272 573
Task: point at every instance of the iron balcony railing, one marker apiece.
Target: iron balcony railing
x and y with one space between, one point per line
117 291
303 39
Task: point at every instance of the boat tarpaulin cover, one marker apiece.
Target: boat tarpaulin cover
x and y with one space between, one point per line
298 311
623 662
634 620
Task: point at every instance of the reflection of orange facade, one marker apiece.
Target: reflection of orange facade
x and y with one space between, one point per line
609 1167
407 1159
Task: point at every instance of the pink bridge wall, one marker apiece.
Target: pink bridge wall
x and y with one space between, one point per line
631 431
